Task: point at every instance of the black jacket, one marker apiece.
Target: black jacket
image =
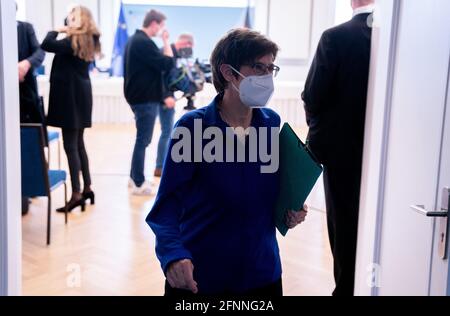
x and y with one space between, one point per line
143 70
166 91
335 93
29 49
70 101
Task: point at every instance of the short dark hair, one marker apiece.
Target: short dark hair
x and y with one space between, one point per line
237 48
153 16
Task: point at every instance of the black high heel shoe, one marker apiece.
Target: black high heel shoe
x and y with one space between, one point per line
89 196
73 205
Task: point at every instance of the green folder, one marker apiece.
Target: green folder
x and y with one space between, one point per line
299 172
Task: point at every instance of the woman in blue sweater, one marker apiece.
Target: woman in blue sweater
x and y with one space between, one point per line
214 214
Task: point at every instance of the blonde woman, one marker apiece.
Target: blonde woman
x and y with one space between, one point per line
70 102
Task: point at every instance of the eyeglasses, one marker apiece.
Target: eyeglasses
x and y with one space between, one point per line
262 69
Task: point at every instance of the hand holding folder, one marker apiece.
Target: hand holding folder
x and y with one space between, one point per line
299 172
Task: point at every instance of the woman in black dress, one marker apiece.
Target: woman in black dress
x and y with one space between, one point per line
70 102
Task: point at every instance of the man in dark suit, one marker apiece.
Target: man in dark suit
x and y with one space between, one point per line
335 99
31 57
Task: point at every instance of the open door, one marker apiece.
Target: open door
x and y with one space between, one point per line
403 248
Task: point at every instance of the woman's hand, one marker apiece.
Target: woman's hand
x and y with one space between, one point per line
180 275
62 29
293 219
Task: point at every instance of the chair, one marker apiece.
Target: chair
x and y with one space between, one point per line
53 136
37 179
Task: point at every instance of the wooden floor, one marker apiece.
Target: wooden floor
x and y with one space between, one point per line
109 250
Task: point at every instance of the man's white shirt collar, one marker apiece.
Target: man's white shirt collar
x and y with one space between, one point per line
365 9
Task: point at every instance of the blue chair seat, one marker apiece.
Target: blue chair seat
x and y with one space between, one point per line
56 178
52 136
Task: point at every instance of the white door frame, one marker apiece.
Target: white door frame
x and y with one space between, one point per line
10 188
382 73
446 141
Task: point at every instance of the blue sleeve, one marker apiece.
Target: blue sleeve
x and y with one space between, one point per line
164 218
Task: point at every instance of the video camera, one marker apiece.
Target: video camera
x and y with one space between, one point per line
189 76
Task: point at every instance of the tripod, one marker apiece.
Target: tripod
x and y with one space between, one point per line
190 104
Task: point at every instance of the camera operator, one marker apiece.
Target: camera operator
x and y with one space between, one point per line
143 72
182 48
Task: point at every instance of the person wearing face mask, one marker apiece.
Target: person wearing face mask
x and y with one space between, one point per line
182 48
214 222
143 71
70 100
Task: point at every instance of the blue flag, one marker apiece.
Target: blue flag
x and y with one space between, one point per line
117 62
248 18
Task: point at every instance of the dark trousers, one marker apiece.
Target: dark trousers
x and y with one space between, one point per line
25 205
342 191
271 290
145 116
166 117
77 157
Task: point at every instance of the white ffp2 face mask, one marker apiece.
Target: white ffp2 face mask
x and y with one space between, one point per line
255 91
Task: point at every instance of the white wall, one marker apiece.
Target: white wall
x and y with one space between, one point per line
109 15
292 32
21 10
40 14
10 191
296 25
343 11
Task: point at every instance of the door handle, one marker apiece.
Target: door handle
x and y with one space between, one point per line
444 206
443 222
421 210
